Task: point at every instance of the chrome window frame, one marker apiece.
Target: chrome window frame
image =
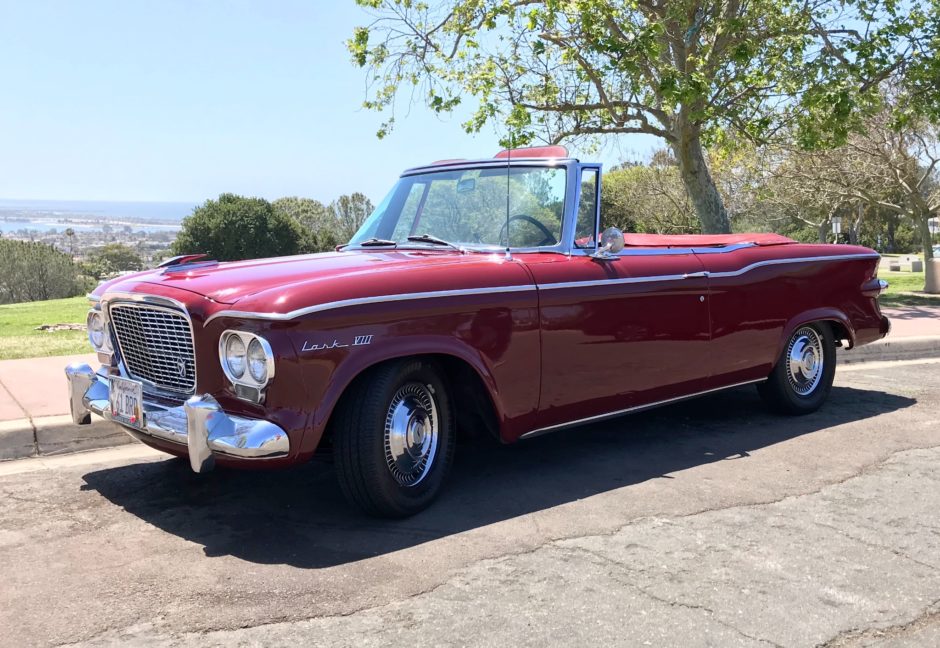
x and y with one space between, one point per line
581 168
572 175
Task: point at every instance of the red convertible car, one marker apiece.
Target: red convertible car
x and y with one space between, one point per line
479 294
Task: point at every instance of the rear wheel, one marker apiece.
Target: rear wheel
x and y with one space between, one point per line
394 438
802 378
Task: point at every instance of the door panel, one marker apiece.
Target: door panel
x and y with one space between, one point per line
619 334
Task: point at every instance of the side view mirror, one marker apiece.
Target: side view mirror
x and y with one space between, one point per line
610 244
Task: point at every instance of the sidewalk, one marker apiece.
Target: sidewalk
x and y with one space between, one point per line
34 411
34 408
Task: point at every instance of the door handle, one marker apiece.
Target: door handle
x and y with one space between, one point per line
694 275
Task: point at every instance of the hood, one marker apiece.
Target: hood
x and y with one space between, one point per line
227 283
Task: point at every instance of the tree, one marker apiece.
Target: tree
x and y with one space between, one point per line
70 235
34 271
351 212
688 71
892 166
112 259
315 218
235 227
647 198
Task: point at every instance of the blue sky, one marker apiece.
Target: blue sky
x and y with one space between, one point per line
183 100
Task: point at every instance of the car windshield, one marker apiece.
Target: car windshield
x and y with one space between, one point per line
467 208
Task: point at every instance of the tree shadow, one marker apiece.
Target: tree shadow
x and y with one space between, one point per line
299 517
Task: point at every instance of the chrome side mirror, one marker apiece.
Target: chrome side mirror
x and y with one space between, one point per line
610 244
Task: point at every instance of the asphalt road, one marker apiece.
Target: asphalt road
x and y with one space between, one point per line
706 523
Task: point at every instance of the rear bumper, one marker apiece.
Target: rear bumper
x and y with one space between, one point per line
200 425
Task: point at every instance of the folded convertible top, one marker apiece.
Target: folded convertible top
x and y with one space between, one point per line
702 240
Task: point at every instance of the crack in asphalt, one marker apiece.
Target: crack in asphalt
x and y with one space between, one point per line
26 417
875 545
670 602
855 636
927 615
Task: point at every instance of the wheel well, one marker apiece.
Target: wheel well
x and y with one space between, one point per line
839 332
473 407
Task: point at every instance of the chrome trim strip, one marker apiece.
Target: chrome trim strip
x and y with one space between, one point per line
710 275
378 299
489 163
630 410
504 289
639 251
770 262
611 282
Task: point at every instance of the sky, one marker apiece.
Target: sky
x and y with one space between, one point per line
183 100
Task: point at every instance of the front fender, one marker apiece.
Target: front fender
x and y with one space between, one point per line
347 366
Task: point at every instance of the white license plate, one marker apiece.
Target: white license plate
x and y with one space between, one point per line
127 402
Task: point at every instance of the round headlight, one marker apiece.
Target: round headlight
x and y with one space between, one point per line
257 361
235 356
96 329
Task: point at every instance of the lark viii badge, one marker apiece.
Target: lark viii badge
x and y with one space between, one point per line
359 340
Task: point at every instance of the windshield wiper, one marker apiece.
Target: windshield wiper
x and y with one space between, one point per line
376 242
433 240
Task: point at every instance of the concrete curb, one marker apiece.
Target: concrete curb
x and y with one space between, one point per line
891 349
56 435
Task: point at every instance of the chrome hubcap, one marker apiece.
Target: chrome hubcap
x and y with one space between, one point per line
411 434
805 361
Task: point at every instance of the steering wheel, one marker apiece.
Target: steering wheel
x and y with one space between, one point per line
549 237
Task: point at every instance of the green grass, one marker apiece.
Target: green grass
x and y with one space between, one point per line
20 339
901 285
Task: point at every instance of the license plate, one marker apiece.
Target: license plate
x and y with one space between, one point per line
127 402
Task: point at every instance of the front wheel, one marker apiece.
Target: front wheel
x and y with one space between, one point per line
394 438
802 378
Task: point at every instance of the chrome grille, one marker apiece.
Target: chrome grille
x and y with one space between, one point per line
156 345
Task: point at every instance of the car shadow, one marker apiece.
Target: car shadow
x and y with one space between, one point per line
299 517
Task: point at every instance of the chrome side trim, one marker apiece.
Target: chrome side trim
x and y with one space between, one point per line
638 251
504 289
631 410
770 262
378 299
710 275
611 282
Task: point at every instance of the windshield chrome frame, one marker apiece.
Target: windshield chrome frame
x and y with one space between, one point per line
569 205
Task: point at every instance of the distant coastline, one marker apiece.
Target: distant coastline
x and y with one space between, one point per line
94 210
17 215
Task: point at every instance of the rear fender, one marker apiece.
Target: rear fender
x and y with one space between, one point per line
816 315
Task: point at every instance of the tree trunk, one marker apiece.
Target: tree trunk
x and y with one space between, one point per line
926 240
698 182
822 230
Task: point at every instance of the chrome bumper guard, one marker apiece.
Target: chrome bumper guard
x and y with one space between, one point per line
200 424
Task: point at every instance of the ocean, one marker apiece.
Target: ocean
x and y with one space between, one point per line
85 215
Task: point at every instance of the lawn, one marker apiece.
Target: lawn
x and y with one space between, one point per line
20 339
901 285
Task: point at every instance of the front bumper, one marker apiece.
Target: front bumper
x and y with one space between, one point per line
200 424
